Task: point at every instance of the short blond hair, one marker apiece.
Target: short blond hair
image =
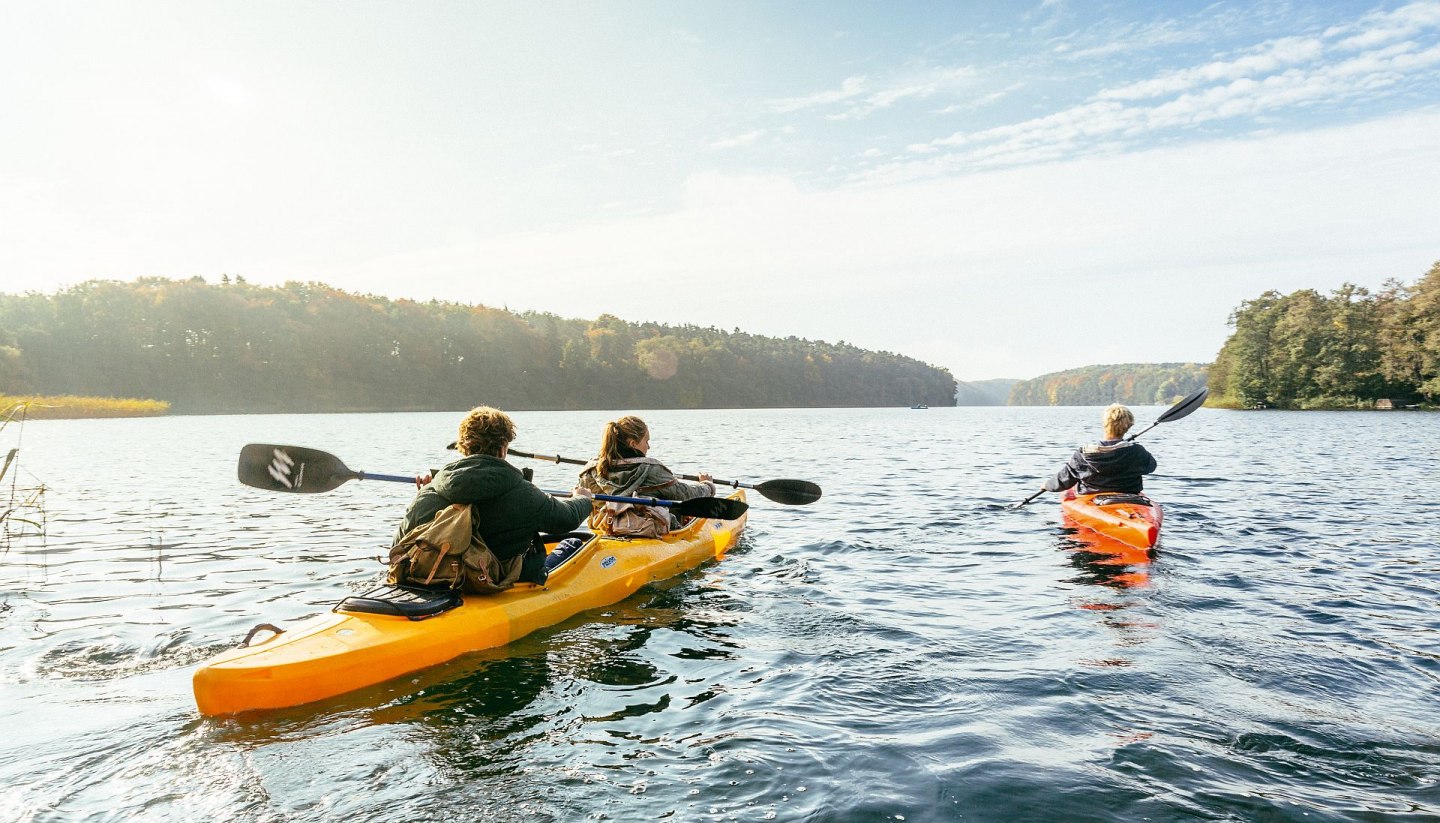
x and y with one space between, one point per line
1118 420
485 431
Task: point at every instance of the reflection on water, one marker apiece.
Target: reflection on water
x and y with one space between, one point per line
1105 561
907 648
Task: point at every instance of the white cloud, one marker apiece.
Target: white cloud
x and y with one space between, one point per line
1279 76
920 86
851 87
1379 28
864 97
1265 59
977 102
745 139
1131 38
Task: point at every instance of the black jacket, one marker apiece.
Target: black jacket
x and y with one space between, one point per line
1107 466
510 510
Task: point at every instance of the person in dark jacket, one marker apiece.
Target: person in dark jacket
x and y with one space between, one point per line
624 468
1112 465
509 510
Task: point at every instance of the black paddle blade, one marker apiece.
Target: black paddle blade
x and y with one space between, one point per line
1185 406
293 469
716 508
790 492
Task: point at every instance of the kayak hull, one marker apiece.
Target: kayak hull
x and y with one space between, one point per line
1131 519
339 652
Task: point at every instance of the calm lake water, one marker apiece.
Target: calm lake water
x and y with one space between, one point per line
905 649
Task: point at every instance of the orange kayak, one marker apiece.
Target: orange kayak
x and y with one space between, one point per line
391 632
1132 519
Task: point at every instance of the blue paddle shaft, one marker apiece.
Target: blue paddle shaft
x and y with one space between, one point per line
393 478
640 501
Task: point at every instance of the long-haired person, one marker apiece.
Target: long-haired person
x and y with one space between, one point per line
625 468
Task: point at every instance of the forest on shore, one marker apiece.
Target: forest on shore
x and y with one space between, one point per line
1351 349
307 347
1138 384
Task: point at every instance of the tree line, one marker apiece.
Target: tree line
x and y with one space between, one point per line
1128 383
308 347
1345 350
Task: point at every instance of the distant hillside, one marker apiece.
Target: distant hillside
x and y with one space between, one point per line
307 347
983 392
1129 383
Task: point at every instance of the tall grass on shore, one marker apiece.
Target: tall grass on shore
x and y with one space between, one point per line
22 508
69 407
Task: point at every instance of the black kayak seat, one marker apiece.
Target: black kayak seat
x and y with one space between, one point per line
416 604
1117 498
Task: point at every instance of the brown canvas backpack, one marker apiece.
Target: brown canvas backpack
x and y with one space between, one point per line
447 553
630 520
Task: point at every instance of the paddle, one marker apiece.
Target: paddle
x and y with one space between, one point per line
787 492
299 470
1175 412
717 508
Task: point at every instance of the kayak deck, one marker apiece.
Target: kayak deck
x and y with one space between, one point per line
1132 519
335 653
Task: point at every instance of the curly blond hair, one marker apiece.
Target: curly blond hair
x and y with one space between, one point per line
1118 420
485 431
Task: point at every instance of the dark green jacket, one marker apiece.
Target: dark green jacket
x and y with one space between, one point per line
510 509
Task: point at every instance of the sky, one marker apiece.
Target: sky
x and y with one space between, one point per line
1003 189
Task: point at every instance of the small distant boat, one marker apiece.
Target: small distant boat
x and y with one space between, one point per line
919 406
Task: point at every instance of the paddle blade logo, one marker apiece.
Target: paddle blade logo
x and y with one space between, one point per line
285 471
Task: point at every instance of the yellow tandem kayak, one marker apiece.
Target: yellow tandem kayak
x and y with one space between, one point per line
357 645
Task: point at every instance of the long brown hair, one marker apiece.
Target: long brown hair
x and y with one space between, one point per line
618 433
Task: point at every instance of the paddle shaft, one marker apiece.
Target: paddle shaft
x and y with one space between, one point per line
393 478
1030 498
710 507
555 458
786 492
613 498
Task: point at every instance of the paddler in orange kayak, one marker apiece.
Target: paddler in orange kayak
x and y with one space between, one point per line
1112 465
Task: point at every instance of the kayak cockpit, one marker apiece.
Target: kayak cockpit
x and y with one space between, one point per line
417 603
1119 498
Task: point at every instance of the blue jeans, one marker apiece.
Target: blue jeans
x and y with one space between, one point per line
565 548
